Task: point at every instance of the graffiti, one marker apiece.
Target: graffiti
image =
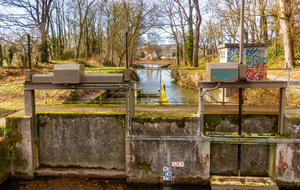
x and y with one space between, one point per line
223 74
254 59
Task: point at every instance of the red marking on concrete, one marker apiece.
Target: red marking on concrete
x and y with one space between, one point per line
130 155
204 160
282 163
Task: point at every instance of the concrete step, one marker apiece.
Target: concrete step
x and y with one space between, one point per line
242 183
80 172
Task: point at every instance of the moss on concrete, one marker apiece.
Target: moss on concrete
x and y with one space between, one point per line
69 166
254 173
211 122
15 138
192 180
18 159
67 115
4 163
287 185
144 166
178 119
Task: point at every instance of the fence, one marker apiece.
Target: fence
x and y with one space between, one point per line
153 79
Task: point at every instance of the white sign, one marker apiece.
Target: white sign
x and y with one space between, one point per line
167 173
178 164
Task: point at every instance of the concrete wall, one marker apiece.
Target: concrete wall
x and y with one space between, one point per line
160 153
81 140
98 141
223 159
4 161
288 155
21 140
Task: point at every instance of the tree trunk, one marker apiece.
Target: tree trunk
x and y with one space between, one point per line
87 53
190 35
1 56
177 53
276 44
196 37
183 35
120 59
79 42
286 26
112 55
43 48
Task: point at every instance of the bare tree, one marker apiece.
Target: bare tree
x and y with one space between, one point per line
83 10
197 30
286 27
37 15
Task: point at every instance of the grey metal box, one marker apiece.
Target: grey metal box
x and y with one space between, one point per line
68 73
28 74
242 71
221 72
42 78
126 74
101 78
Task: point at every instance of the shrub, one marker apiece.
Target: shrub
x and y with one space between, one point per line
68 54
141 54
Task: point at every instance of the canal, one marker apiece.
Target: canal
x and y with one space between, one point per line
150 84
149 88
90 184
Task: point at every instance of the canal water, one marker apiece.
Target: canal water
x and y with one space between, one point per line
89 184
92 184
150 84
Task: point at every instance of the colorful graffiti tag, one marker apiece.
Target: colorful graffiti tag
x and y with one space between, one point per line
223 74
254 58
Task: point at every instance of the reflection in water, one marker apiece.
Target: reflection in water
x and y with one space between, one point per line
151 80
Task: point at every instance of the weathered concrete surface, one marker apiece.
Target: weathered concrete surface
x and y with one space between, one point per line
4 162
242 183
250 123
287 167
223 160
149 157
254 157
21 140
79 172
78 140
97 141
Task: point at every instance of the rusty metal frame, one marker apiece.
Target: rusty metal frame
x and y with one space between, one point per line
282 85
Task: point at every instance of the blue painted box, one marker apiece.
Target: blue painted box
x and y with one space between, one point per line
221 72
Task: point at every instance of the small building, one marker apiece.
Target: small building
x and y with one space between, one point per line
255 57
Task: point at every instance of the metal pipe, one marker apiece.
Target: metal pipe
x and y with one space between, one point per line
240 110
29 51
126 50
242 32
288 87
240 89
237 140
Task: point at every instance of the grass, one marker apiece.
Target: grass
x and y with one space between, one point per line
11 83
11 86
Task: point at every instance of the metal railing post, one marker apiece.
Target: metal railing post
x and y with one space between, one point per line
288 87
45 95
160 86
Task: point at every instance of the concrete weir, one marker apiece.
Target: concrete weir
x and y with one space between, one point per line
242 183
107 145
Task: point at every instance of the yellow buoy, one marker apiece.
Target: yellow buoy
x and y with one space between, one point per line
163 99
